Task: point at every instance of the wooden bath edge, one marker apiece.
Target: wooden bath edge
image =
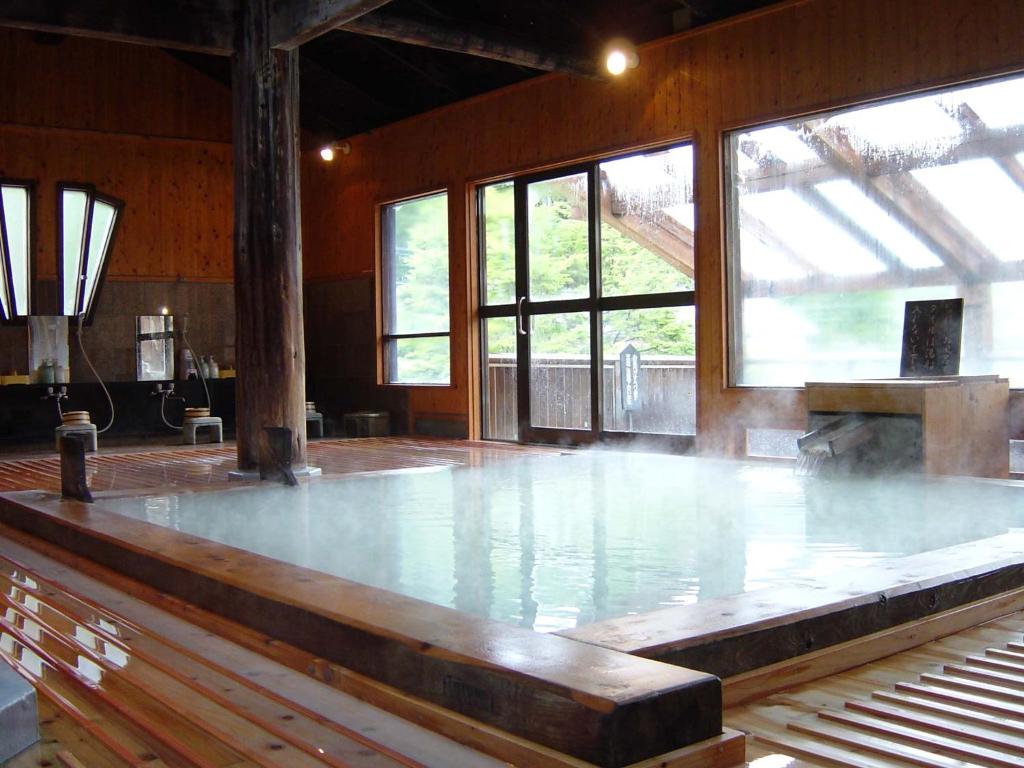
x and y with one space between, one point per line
735 635
596 704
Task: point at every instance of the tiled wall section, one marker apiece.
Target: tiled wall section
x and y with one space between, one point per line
110 340
341 371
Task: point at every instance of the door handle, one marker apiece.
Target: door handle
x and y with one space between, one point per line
519 315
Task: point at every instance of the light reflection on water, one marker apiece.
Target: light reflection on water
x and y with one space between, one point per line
556 542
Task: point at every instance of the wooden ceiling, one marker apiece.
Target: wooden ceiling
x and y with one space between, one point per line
366 63
360 77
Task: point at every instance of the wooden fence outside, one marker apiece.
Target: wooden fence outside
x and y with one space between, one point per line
560 395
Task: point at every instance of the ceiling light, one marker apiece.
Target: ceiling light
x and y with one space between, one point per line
620 55
329 151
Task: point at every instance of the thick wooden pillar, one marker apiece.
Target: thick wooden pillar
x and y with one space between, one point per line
270 388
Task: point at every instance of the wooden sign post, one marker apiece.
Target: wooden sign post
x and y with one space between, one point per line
73 484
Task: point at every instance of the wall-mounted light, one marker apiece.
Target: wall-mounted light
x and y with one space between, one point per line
164 311
620 55
15 249
86 224
329 151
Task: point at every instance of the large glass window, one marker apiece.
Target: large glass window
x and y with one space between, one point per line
15 249
414 256
835 220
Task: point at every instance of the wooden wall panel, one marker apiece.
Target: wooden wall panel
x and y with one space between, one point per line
177 221
111 87
790 59
141 126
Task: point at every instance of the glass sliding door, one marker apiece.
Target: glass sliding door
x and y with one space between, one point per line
587 317
557 256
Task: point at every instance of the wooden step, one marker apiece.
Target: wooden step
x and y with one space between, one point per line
138 691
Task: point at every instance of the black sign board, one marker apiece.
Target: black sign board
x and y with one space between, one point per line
931 338
629 378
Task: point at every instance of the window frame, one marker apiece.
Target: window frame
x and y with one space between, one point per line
386 294
6 269
92 196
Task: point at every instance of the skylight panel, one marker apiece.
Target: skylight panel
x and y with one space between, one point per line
918 124
762 262
682 214
782 143
984 199
811 234
845 195
999 104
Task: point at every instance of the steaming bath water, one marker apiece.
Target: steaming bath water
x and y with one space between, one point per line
554 542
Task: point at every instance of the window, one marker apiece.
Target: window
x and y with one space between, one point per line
15 249
87 222
414 265
835 220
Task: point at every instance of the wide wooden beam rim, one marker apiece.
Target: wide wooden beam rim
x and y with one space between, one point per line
473 42
294 22
205 27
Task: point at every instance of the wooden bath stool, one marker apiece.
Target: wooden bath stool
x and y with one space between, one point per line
190 425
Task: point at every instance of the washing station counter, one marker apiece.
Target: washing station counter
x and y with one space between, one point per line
27 416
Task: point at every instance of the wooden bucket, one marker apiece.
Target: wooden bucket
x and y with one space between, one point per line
197 413
69 418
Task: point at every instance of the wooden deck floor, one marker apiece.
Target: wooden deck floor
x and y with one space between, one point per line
958 701
202 465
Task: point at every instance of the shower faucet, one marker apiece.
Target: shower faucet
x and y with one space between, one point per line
61 394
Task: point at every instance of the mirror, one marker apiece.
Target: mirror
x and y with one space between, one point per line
154 347
48 349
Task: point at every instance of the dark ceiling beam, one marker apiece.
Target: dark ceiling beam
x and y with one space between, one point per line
457 39
191 25
343 107
296 22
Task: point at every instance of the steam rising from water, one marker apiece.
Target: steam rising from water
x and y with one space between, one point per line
555 542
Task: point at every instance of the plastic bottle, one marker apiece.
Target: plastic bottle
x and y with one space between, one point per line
213 368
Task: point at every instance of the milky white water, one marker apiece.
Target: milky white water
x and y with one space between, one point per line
553 542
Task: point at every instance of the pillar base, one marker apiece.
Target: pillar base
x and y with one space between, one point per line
254 474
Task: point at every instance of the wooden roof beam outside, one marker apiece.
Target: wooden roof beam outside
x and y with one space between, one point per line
489 44
670 241
907 201
295 22
1009 163
983 143
192 25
